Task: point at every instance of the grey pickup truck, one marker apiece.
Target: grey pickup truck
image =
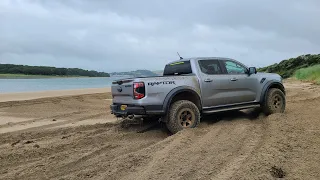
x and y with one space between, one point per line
192 87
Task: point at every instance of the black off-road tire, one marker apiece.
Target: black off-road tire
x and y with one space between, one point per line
275 102
180 110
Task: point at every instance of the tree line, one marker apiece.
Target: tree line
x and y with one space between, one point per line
287 68
49 71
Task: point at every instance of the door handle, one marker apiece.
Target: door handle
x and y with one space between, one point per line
234 79
208 80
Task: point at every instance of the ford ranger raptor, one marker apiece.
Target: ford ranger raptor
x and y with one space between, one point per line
193 87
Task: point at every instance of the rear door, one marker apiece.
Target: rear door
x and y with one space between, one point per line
215 86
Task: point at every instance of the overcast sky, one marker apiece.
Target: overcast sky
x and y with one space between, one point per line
121 35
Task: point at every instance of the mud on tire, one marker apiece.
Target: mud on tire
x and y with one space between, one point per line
182 114
275 102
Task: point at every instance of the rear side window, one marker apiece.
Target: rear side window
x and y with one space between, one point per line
181 67
210 67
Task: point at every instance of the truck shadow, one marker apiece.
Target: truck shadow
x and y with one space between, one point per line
249 114
139 126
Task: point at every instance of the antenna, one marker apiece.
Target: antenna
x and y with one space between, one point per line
179 56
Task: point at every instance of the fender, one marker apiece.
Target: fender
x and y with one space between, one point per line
267 86
175 91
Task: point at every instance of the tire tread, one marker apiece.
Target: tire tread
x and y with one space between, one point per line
266 107
172 124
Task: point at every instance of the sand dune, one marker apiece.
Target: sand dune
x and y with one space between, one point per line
75 137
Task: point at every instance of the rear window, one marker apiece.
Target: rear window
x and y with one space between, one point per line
181 67
210 67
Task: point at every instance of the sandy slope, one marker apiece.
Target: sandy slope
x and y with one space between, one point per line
244 145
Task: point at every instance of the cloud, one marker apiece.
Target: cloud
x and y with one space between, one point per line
126 35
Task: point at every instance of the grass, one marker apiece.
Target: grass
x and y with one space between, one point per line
309 74
25 76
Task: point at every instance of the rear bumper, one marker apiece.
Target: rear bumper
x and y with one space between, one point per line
130 110
135 110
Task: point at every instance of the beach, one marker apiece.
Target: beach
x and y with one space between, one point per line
70 134
5 97
32 110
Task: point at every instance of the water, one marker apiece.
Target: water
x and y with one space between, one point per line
31 85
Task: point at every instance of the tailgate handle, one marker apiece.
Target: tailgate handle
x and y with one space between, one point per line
208 80
234 79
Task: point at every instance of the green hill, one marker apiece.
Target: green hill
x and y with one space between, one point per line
48 71
310 74
288 68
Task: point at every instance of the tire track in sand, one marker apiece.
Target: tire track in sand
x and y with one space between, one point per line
250 145
58 123
200 144
44 118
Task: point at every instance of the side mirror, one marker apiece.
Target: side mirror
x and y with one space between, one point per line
252 70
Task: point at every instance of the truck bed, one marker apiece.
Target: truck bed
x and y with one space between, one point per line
157 88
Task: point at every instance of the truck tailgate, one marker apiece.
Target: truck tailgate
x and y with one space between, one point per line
122 88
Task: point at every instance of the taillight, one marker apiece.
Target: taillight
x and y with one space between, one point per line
138 90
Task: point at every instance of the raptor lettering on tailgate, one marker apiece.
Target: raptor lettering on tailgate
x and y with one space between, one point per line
160 83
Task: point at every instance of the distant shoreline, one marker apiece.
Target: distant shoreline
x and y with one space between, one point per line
26 76
31 84
14 70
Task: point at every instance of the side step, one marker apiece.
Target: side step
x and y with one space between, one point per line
233 107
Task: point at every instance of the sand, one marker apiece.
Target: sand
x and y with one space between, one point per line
76 137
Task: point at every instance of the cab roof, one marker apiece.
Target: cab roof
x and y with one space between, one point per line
200 58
